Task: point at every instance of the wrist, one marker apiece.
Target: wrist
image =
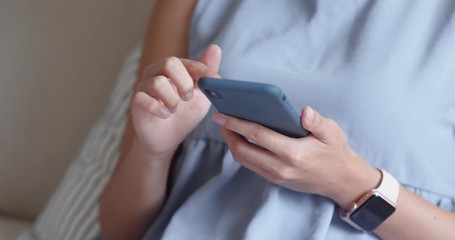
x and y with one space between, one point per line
356 181
142 153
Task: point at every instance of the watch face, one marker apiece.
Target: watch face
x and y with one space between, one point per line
372 213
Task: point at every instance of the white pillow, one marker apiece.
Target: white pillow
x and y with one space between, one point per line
72 212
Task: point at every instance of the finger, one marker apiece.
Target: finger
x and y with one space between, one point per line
183 72
178 73
212 57
161 88
150 105
324 129
255 158
264 137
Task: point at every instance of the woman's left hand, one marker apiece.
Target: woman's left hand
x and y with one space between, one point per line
322 163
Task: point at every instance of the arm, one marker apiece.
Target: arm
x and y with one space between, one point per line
137 188
323 163
134 194
416 218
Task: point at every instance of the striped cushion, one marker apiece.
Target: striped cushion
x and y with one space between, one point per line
72 212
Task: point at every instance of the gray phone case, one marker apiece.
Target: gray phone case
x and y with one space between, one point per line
265 104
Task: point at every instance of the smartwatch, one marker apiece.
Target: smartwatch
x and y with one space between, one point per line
375 206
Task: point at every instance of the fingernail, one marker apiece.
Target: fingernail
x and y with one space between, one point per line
164 112
188 96
310 115
219 119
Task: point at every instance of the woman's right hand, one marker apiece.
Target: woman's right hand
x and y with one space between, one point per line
168 105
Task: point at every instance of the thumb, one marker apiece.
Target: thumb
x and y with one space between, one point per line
324 129
212 58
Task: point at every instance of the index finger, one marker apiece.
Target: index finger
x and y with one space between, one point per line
181 72
262 136
197 69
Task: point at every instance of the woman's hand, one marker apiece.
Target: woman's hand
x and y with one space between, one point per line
168 104
321 163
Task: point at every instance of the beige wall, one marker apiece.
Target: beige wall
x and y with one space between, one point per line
58 63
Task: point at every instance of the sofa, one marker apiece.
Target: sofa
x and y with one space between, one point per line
59 64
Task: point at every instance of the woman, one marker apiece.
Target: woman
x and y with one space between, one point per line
379 77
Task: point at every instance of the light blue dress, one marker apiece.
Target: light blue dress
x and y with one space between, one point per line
383 70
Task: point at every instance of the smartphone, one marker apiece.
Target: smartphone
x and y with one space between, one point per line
265 104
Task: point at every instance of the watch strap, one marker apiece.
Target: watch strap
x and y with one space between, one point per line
389 186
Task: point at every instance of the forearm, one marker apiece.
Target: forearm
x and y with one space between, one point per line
416 218
134 195
136 191
167 32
